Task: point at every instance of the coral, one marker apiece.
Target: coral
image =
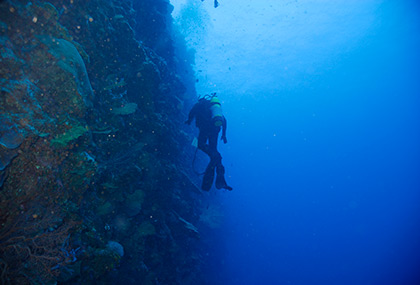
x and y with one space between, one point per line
126 109
2 177
9 138
69 59
77 174
116 247
105 209
68 136
33 252
114 83
146 229
103 261
134 202
6 157
187 225
122 224
115 161
20 110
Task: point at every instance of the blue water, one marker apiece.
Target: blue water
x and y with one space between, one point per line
323 107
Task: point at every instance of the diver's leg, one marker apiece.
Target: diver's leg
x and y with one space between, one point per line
202 142
208 177
216 161
213 136
214 154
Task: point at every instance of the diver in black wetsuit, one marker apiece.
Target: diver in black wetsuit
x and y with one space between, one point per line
209 120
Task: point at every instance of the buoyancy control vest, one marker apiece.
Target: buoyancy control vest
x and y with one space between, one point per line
216 111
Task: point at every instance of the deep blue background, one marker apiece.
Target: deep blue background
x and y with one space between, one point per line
326 166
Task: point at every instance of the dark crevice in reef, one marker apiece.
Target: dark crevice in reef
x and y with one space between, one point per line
95 162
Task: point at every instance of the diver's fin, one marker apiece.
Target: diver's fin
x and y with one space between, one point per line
220 179
221 183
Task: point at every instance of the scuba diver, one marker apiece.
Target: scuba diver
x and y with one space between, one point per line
209 119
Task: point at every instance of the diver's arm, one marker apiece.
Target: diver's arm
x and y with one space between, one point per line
224 127
191 115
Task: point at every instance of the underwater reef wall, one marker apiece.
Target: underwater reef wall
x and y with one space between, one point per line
95 163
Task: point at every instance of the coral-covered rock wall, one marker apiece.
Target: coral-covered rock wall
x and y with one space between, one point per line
95 178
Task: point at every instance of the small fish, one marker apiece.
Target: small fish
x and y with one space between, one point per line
216 3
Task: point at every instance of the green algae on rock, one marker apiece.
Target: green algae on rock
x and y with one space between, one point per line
72 134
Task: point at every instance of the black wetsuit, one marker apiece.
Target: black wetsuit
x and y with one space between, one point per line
209 133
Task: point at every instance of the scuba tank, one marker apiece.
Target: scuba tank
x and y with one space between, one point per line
216 111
